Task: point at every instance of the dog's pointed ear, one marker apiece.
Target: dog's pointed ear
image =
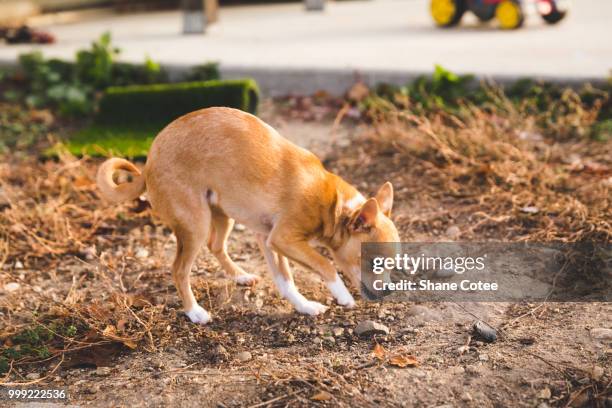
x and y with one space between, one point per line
335 213
366 217
385 198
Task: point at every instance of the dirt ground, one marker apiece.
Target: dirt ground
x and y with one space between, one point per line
257 351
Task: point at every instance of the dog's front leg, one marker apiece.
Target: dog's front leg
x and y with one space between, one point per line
281 273
302 252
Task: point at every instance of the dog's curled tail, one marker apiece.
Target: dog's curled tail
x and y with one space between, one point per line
124 191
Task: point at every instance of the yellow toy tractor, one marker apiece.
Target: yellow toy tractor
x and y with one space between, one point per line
508 13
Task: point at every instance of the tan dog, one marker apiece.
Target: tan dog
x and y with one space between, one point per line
213 166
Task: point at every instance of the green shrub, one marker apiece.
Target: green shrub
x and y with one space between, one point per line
129 74
71 88
145 105
95 66
204 72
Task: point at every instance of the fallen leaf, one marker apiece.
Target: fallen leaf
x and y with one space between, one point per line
109 331
379 352
402 361
321 396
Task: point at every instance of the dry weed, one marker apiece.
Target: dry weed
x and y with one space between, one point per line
520 179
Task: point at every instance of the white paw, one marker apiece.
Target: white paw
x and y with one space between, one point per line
198 315
347 302
311 308
246 279
341 293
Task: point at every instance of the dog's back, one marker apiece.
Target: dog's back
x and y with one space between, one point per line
247 169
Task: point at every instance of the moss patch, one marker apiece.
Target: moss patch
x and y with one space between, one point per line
106 140
162 103
130 117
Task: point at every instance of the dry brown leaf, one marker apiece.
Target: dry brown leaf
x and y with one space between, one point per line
129 343
403 360
109 331
379 352
321 396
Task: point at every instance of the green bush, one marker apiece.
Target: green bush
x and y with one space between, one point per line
204 72
71 88
160 104
95 66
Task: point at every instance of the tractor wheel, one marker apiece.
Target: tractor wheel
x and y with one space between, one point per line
551 12
447 13
483 10
509 14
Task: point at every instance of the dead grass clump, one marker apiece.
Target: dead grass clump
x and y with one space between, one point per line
61 274
50 209
532 186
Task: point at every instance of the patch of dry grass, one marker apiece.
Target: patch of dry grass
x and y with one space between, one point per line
519 176
57 240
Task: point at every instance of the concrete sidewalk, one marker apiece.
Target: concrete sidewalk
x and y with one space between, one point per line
288 49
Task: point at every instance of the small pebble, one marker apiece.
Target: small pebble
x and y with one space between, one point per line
11 286
530 210
329 339
103 371
142 253
597 372
370 327
485 331
601 333
453 231
244 356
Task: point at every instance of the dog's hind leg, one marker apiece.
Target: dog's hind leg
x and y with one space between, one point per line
191 234
221 227
281 273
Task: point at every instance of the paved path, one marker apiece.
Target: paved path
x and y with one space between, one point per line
382 37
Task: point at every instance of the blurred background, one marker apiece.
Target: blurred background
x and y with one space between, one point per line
380 40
